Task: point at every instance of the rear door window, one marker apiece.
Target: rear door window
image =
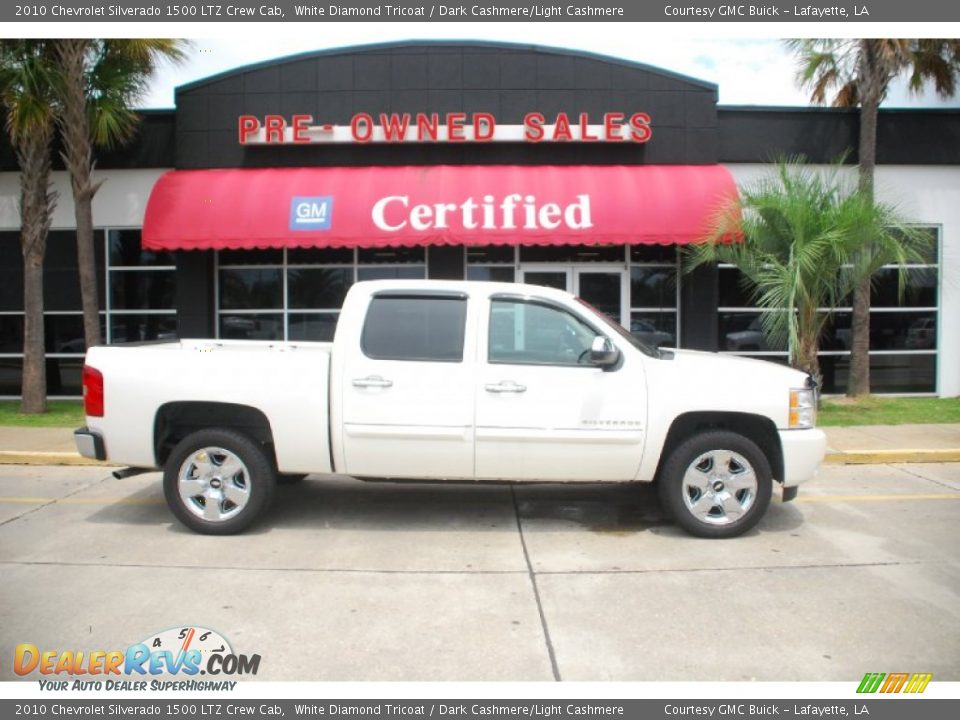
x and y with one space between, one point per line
412 327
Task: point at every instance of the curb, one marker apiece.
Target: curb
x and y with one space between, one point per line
882 457
17 457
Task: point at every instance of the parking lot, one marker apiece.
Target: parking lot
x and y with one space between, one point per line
360 581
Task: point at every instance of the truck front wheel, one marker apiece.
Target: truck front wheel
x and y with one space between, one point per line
217 482
716 484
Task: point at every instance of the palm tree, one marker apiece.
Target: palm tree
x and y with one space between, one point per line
98 84
860 71
797 237
28 102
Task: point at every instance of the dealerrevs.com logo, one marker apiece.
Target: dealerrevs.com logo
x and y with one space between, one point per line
178 652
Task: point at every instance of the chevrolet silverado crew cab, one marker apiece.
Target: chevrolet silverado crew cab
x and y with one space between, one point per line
459 381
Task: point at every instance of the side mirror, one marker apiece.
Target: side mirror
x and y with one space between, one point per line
603 353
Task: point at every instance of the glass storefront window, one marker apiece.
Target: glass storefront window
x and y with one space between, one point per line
491 273
903 327
138 327
136 293
125 251
889 373
11 333
656 254
920 290
572 253
11 274
61 282
743 332
318 327
391 256
251 289
655 329
141 290
654 294
296 294
491 255
251 326
653 287
64 333
320 288
387 272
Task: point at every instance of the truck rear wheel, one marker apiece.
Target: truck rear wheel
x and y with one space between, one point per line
716 484
217 482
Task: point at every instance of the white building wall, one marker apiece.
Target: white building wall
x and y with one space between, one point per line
928 195
120 202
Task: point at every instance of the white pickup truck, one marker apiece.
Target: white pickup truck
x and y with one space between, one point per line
458 381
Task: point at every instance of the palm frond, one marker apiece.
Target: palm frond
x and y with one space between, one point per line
808 238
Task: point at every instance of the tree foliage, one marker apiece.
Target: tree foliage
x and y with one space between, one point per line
98 84
797 237
858 73
27 81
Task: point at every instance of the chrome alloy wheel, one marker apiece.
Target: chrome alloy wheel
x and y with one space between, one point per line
213 484
719 487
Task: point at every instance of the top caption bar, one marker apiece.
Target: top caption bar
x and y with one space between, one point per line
300 11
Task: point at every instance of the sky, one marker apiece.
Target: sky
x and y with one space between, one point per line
748 71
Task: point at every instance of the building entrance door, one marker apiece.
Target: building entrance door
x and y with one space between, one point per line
603 286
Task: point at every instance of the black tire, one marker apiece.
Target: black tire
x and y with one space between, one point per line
290 478
252 484
716 510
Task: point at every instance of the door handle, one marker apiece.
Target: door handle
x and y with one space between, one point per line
507 386
372 381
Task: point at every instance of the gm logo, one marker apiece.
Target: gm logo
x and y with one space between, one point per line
311 213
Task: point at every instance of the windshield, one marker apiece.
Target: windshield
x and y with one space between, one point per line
643 347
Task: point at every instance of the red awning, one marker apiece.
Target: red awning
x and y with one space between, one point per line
434 205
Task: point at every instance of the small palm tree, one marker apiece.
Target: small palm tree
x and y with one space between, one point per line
797 237
28 102
99 81
860 72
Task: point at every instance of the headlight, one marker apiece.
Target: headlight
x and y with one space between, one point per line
803 408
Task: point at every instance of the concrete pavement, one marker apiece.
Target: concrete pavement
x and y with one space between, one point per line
846 445
345 580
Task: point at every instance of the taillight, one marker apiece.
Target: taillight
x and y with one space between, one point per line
92 391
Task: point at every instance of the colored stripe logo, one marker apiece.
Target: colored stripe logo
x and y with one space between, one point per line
895 682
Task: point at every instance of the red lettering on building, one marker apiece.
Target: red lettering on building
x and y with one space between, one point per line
484 126
273 126
428 127
301 123
455 123
533 127
612 122
640 127
458 127
561 130
394 126
361 127
247 125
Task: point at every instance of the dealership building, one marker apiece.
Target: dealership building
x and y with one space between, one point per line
249 209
